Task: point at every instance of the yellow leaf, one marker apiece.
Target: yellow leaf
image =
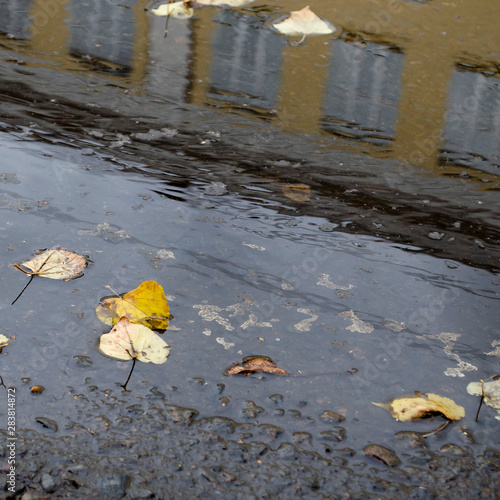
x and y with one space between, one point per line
304 22
146 305
297 192
4 341
128 340
406 408
56 263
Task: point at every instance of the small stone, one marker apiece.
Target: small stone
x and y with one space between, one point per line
338 434
327 227
276 398
48 483
216 189
47 423
434 235
384 455
453 449
302 437
113 485
82 361
331 416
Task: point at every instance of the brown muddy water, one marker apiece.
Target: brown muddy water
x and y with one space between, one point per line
171 159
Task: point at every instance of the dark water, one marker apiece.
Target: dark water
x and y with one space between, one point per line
384 281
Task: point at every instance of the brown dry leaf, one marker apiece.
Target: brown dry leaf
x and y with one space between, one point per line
252 364
56 263
297 192
128 340
146 305
304 22
418 405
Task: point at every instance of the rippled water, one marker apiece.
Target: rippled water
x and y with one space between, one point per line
172 159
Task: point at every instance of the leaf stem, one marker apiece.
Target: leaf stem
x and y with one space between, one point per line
440 428
130 374
26 286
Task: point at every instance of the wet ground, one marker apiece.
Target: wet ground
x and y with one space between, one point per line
168 159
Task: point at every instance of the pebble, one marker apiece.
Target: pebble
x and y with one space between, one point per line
113 485
327 227
331 416
216 189
434 235
47 423
384 455
48 483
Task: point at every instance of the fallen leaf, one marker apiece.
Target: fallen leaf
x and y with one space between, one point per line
146 305
297 192
418 405
252 364
128 340
179 10
56 263
304 22
4 341
491 392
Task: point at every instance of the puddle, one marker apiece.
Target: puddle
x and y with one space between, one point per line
174 159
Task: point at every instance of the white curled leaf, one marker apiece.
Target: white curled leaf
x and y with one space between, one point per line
175 9
304 22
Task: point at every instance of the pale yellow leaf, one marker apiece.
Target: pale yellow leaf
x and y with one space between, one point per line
128 340
4 341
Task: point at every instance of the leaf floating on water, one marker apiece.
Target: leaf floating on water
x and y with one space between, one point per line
491 392
146 305
4 342
180 10
418 405
253 364
128 340
56 263
297 192
304 22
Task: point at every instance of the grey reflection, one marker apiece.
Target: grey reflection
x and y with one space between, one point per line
472 126
247 62
14 18
103 31
363 91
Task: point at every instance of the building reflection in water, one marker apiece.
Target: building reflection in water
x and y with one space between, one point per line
404 103
246 68
363 91
472 128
